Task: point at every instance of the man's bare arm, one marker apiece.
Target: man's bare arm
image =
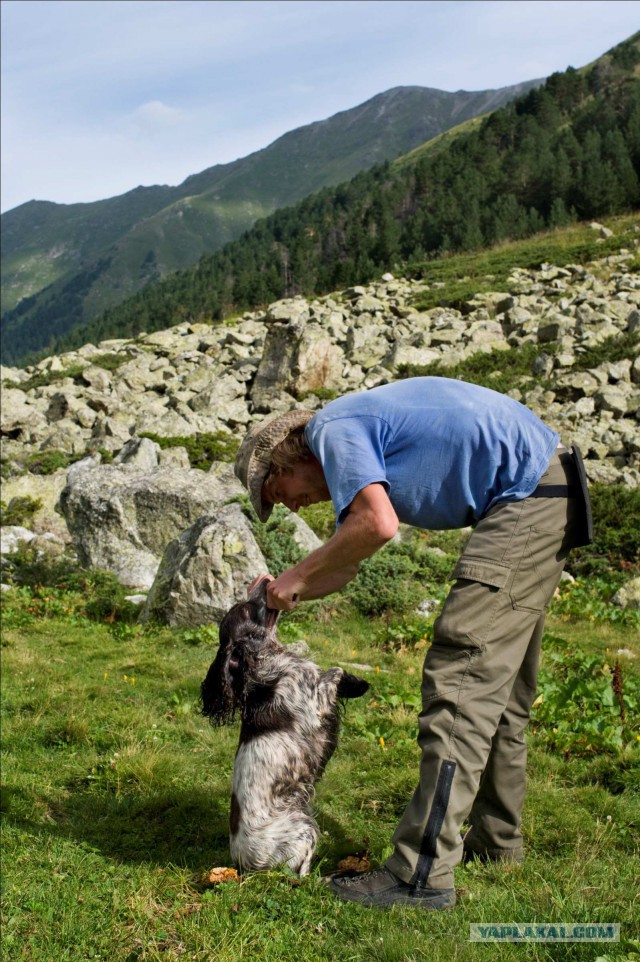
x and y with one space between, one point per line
370 523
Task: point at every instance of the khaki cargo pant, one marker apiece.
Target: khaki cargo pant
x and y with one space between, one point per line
479 683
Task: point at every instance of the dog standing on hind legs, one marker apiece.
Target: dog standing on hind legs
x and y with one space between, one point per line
290 714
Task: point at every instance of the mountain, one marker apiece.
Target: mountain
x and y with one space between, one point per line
62 265
567 151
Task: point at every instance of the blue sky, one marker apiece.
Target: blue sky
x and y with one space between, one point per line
101 96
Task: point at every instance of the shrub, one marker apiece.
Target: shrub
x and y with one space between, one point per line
109 362
321 518
20 510
203 449
584 705
44 378
498 370
616 520
99 593
275 539
613 349
48 462
386 582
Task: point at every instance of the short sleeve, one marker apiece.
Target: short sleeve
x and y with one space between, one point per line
351 452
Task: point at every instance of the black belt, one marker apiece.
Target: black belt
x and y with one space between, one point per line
555 491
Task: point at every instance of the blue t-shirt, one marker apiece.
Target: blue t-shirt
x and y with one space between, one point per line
446 451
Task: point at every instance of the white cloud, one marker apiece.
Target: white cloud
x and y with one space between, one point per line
156 115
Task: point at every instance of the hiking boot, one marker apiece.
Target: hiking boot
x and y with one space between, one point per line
381 889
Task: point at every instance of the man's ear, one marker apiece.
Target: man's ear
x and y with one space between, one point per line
350 686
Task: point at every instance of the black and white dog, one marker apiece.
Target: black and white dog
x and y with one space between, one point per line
290 718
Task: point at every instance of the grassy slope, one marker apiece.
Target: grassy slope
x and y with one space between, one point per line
116 798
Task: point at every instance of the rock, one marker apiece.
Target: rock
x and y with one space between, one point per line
12 535
139 454
365 346
136 599
274 372
196 378
629 595
293 311
318 362
49 545
178 457
408 354
97 378
20 418
603 232
205 571
615 399
303 536
121 518
578 384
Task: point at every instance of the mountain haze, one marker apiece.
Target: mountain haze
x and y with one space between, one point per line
62 264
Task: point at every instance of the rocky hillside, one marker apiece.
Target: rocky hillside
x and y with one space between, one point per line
564 340
197 378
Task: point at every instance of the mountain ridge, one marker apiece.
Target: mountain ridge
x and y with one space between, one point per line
46 244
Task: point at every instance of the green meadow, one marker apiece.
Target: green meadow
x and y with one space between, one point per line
116 793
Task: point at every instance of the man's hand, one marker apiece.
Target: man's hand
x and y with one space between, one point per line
284 592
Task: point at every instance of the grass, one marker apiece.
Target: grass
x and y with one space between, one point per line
116 799
463 276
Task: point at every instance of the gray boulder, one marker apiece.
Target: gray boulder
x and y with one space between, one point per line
629 595
205 570
122 516
12 535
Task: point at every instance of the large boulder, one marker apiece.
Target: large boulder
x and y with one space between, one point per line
205 570
122 516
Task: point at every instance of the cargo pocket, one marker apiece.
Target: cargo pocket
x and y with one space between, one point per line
538 571
445 671
471 604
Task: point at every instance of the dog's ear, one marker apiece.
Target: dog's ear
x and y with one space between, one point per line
350 686
217 696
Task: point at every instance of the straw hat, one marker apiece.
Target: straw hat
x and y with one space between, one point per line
253 460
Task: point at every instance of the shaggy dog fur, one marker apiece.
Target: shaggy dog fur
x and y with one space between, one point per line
290 718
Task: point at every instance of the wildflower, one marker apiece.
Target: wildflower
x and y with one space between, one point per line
106 675
133 681
378 669
381 742
353 651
